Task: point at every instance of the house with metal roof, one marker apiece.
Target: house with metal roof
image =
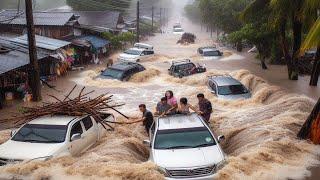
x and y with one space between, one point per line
56 25
103 20
42 42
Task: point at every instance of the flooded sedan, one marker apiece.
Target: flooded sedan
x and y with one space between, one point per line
226 87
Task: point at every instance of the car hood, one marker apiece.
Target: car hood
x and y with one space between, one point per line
187 158
128 56
235 97
25 150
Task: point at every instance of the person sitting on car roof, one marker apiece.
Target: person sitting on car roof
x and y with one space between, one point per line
162 107
171 100
184 107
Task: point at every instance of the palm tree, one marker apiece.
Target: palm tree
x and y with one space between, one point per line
313 40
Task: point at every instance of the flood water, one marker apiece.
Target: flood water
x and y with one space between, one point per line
260 132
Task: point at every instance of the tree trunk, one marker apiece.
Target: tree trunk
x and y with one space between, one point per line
284 46
297 30
315 69
311 128
239 46
263 64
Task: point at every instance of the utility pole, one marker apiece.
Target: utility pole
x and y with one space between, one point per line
138 22
160 17
34 76
152 18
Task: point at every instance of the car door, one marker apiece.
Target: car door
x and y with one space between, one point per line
212 87
90 133
76 146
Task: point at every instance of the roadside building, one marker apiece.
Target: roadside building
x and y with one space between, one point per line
14 70
96 22
100 47
62 54
57 25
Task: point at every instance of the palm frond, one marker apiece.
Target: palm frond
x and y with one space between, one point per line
313 38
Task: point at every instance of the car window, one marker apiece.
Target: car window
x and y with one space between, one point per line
183 138
76 128
211 53
41 133
212 86
87 122
232 90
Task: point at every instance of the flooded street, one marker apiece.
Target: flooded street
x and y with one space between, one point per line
260 132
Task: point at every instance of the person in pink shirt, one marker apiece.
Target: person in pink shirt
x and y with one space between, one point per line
171 100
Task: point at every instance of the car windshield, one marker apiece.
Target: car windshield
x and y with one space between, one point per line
211 53
232 90
117 74
183 138
132 52
178 30
38 133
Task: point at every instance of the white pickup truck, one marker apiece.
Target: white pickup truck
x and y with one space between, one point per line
52 136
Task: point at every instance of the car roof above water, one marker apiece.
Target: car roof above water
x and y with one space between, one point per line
180 122
124 66
54 120
224 80
209 49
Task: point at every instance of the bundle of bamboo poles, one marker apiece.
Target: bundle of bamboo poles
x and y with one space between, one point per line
80 105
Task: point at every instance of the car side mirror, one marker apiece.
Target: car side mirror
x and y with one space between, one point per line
13 132
147 142
221 138
76 137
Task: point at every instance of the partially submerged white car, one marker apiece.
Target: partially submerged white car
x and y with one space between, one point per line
183 146
178 31
136 54
143 46
55 136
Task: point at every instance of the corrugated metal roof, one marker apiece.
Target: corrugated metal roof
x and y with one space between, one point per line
106 19
96 41
17 57
40 18
43 42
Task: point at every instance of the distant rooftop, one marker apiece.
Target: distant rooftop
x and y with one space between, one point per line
107 19
100 20
40 18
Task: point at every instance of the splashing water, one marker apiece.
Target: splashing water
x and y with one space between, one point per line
260 133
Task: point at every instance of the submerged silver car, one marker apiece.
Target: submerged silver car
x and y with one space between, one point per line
183 147
226 87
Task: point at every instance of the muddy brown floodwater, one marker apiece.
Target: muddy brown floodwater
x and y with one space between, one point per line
260 132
